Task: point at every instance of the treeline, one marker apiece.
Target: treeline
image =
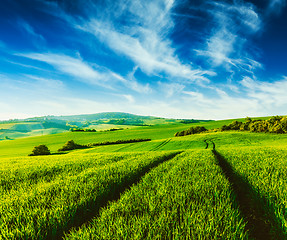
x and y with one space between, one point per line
93 130
82 130
119 142
134 122
55 124
187 121
191 130
71 145
276 124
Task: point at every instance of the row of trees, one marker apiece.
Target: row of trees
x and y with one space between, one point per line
82 130
276 124
71 145
192 130
44 150
119 142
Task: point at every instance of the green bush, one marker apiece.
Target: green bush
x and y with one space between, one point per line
192 130
275 124
40 150
71 145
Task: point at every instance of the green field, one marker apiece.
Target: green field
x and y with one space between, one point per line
215 185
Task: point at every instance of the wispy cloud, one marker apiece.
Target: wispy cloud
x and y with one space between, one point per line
143 37
130 82
232 23
84 72
25 84
267 93
37 38
171 89
221 106
47 83
72 66
128 97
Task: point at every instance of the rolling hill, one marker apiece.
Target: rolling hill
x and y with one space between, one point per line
46 125
212 185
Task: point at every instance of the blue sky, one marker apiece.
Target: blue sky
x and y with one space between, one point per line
180 59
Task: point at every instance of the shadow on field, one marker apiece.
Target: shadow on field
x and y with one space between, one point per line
59 153
208 144
206 147
114 190
259 215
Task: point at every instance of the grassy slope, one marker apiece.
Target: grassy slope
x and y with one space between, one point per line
201 195
158 133
162 139
24 146
25 129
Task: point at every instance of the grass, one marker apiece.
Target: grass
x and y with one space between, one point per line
185 198
166 188
24 146
264 168
43 203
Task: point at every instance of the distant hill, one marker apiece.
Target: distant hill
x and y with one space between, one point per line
91 117
46 125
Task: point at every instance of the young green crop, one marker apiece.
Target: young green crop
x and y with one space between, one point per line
185 198
50 207
24 146
265 169
155 145
22 174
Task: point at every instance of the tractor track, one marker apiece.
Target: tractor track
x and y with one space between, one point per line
161 144
253 207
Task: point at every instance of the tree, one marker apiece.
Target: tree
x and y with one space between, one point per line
235 125
40 150
277 128
71 145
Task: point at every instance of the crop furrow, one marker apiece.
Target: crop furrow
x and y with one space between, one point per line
253 206
49 212
185 198
161 144
114 192
206 147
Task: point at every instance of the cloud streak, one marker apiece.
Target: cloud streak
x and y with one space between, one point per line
143 38
231 25
161 57
26 28
267 93
84 72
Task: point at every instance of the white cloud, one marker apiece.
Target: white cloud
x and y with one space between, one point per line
47 83
222 106
231 25
128 97
84 72
69 65
37 38
131 82
219 47
145 39
28 86
171 89
269 94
